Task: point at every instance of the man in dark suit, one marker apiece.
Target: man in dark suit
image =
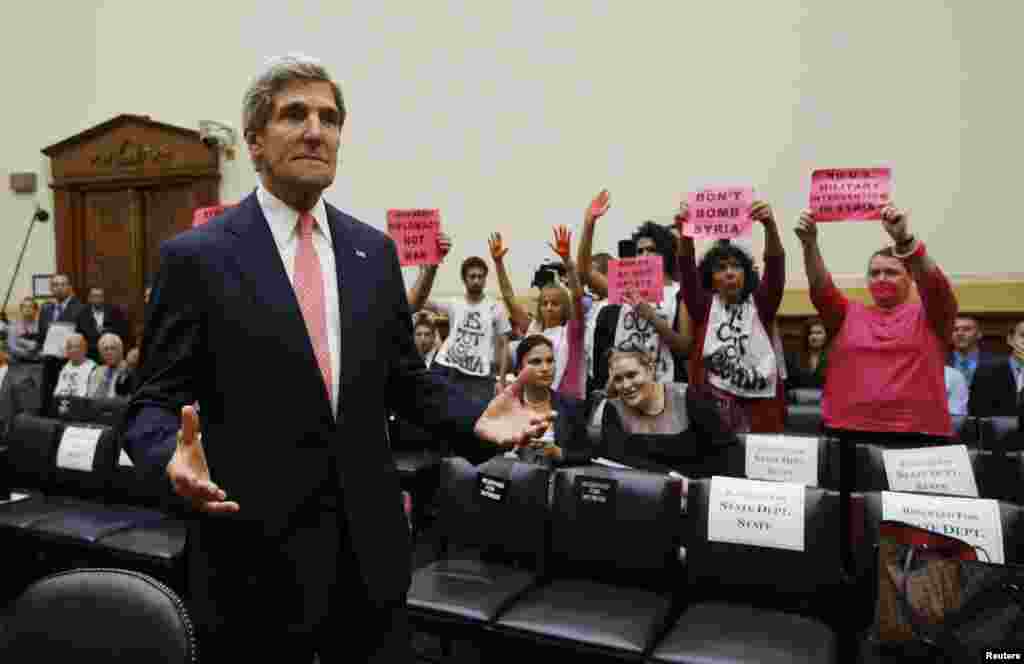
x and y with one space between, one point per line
287 321
64 310
998 388
98 318
967 355
19 392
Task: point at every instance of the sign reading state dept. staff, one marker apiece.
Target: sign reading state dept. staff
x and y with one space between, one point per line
973 520
756 513
782 458
944 469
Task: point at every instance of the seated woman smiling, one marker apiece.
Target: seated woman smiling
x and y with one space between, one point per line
660 426
566 443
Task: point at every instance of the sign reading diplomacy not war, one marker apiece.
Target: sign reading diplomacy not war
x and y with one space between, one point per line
850 193
415 233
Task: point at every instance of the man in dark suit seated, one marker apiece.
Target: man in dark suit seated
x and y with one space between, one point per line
19 392
998 388
967 355
98 318
301 546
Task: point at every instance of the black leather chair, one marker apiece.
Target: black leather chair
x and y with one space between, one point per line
804 418
494 523
418 462
757 604
965 429
614 569
100 615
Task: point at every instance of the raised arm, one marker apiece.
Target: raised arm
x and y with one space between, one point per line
520 317
772 286
697 300
830 303
591 277
420 291
936 293
562 247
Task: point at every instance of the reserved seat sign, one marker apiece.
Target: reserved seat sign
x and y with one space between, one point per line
973 520
756 513
779 458
945 469
78 448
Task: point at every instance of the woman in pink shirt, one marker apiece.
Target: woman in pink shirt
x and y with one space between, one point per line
885 370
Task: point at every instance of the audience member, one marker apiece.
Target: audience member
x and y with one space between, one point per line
644 420
656 329
565 443
806 368
16 390
64 310
885 363
956 391
479 329
73 380
420 290
733 311
558 316
23 339
99 317
998 387
967 355
112 378
425 336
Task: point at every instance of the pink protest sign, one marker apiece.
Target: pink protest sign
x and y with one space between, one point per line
719 212
645 275
415 233
850 193
204 214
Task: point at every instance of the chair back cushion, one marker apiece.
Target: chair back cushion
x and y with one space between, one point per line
99 615
727 569
79 481
618 526
500 506
32 449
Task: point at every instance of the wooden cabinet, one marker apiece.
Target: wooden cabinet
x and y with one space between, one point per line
121 188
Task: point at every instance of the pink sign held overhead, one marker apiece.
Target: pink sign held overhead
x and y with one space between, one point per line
415 233
858 194
719 213
204 214
645 275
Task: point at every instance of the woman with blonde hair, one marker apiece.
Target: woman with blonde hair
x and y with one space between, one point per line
23 339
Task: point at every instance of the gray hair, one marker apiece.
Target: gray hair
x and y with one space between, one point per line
278 72
110 336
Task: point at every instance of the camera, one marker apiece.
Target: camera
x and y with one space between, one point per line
218 136
548 273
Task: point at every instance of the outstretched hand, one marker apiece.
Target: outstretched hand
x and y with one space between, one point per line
189 473
497 247
507 422
643 308
563 243
598 207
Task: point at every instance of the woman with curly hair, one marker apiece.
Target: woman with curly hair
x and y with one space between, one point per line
733 312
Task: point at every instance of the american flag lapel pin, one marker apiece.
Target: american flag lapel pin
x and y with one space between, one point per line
361 254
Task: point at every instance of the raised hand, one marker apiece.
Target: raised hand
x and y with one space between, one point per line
507 422
761 212
598 207
894 220
498 249
188 472
806 228
444 244
563 243
641 306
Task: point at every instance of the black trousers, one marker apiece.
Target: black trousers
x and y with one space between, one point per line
285 600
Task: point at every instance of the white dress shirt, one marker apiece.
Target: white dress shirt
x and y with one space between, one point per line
74 381
283 222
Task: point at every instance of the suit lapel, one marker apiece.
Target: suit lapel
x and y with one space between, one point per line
260 261
348 266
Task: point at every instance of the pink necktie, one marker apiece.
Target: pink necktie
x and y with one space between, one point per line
309 288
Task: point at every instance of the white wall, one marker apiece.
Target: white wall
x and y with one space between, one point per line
509 116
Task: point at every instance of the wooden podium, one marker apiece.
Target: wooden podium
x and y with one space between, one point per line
120 189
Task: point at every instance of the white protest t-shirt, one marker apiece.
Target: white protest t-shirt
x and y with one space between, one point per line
74 381
635 332
474 330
